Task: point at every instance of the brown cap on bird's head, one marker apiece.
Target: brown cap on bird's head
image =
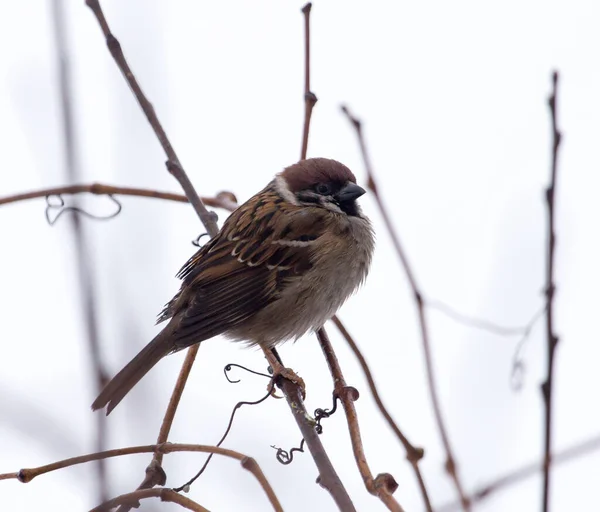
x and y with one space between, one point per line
308 173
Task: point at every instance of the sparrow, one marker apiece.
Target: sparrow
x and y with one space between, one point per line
282 265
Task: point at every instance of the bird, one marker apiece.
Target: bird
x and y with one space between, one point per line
282 265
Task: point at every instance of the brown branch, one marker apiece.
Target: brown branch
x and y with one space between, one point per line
248 463
310 99
132 498
450 465
552 338
225 200
173 164
154 472
83 254
383 486
525 472
413 454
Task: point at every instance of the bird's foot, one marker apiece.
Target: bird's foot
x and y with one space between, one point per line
280 372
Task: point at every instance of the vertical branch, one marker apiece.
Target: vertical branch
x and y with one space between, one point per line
450 465
552 338
83 255
310 99
384 485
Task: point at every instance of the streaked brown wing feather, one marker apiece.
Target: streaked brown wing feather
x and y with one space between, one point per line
243 268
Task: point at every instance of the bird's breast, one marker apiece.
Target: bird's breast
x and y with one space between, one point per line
340 263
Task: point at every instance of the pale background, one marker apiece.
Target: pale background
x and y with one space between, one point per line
453 98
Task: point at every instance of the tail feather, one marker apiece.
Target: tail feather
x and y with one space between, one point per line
133 372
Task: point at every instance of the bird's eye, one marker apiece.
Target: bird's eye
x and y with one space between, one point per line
323 188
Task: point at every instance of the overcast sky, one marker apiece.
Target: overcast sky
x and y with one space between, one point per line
453 96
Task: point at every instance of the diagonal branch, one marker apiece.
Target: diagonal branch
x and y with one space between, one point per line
173 164
383 486
420 305
328 477
154 472
518 475
413 454
552 338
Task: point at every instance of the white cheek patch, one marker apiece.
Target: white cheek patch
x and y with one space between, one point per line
293 243
284 191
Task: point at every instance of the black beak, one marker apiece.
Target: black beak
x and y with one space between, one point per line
349 192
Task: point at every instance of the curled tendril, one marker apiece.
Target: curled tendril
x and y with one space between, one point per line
321 414
185 487
228 368
59 205
286 457
196 241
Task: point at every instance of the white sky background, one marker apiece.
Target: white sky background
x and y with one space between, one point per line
453 99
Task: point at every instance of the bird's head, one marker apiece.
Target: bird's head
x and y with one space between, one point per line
323 183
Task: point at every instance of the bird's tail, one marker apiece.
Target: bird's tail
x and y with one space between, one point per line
133 372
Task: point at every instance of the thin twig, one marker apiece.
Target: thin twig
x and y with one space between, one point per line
383 485
450 465
237 406
133 498
155 473
225 200
83 255
518 475
552 338
310 99
248 463
173 164
481 323
413 454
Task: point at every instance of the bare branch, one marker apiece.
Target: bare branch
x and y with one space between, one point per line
450 465
225 200
552 338
383 486
27 475
310 99
173 164
154 472
518 475
413 454
132 498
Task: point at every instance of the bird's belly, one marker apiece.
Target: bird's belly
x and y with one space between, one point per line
306 304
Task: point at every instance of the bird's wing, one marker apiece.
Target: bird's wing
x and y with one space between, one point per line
243 268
